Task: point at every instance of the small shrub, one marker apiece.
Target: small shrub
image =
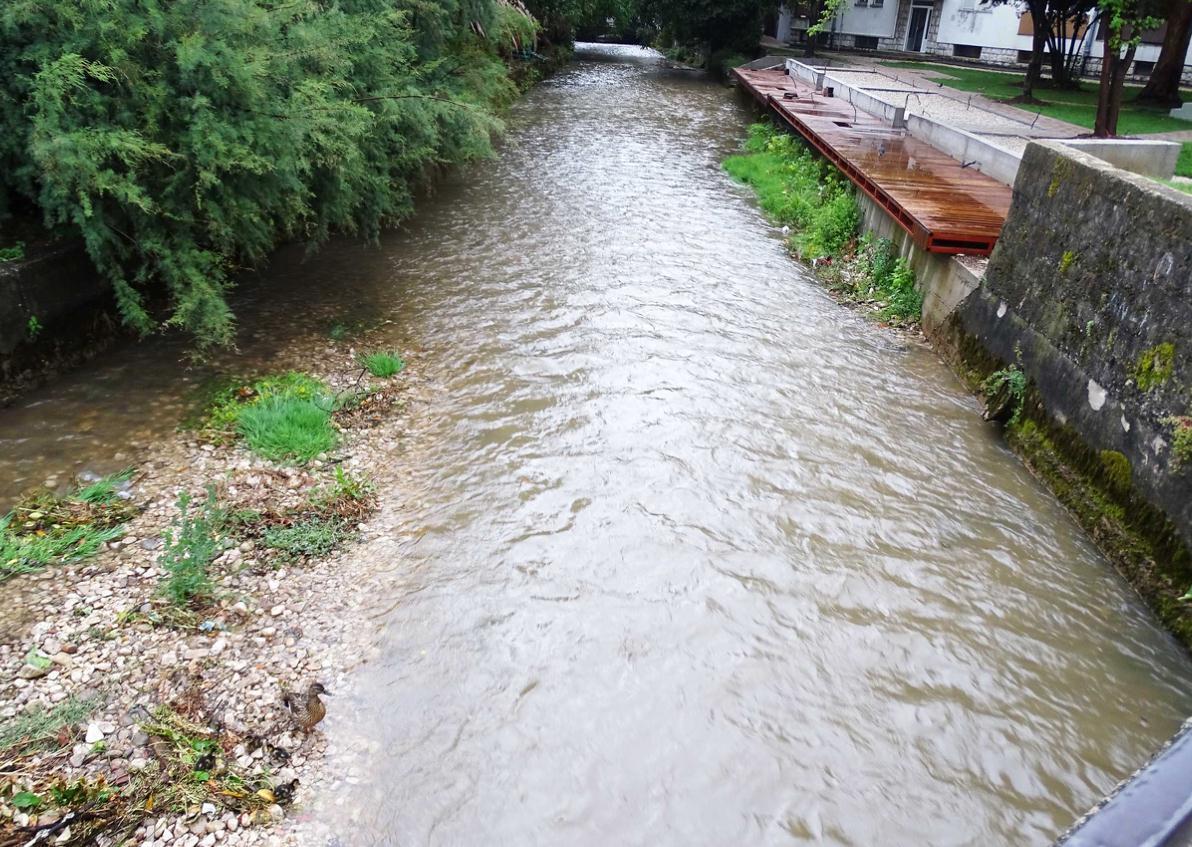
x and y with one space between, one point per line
1007 386
190 546
382 364
905 303
308 538
33 327
13 253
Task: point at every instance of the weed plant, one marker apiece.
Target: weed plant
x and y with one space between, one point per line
191 544
381 364
45 528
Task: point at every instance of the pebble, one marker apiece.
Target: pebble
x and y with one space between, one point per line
94 733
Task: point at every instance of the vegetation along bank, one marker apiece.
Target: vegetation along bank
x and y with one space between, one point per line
153 622
1074 337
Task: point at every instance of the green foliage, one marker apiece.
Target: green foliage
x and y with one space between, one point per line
182 140
1155 366
382 364
13 253
708 25
798 189
190 546
45 528
1066 261
284 427
829 10
1117 471
309 538
346 487
33 327
1183 165
37 729
1012 381
282 417
105 490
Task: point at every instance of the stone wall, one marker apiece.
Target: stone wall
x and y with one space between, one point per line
1089 291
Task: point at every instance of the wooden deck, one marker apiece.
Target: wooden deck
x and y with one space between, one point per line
945 207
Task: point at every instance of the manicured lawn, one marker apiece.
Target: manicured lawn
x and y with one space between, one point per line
1076 107
1183 167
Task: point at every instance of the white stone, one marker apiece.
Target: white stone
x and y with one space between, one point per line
1096 396
94 733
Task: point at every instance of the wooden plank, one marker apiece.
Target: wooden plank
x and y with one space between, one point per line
945 207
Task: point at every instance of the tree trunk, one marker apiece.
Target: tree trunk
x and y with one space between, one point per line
1108 65
1113 78
814 13
1163 88
1035 68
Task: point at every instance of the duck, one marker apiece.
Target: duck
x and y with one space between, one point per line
306 708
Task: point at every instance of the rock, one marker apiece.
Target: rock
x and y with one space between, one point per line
139 738
208 809
277 610
69 649
33 672
94 733
150 543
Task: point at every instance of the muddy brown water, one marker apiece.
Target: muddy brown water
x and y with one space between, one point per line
690 554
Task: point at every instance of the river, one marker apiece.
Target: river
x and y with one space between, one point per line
690 554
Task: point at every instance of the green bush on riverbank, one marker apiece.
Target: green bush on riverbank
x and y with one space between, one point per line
802 191
183 140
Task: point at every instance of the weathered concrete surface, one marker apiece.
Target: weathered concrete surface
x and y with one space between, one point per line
1146 156
1090 281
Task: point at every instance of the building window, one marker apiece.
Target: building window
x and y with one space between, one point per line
1024 57
966 51
860 2
877 4
865 42
1143 67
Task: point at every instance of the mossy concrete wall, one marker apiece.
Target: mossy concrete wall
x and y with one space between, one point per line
1090 289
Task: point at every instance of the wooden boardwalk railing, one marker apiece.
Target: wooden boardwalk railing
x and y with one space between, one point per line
946 207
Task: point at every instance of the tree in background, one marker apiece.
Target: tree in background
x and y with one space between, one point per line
709 26
1122 24
1163 87
1058 28
184 139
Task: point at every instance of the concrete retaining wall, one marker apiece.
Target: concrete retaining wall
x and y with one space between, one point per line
1090 281
965 147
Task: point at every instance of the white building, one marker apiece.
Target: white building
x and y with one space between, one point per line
965 29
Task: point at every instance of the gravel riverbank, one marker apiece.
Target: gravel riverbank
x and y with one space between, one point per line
275 624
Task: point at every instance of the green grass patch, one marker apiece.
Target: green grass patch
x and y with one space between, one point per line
45 528
382 364
38 729
1076 106
798 189
283 418
1183 165
281 428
